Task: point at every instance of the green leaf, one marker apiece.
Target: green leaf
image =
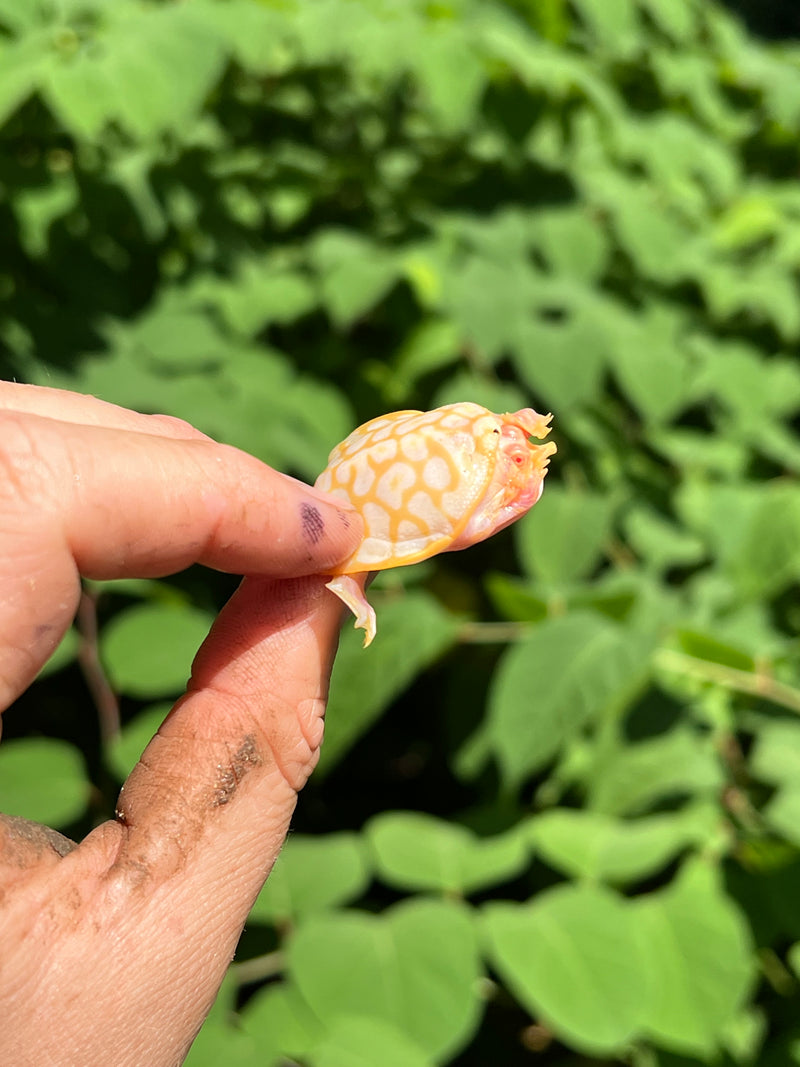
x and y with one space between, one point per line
701 454
655 238
571 242
746 221
313 874
561 540
148 649
165 61
220 1042
752 388
678 763
782 813
614 23
689 167
354 274
277 1017
20 19
767 559
574 958
43 780
431 346
564 361
80 93
567 672
174 338
451 76
413 631
416 967
515 598
764 293
661 543
685 75
125 749
263 293
259 37
588 844
677 20
288 420
362 1041
650 363
22 64
414 851
490 302
743 1037
776 755
700 961
704 646
753 528
64 654
38 209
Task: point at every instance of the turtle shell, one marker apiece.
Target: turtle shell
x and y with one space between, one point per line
418 477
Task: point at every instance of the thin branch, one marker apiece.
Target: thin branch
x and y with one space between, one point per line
104 697
752 683
260 967
493 633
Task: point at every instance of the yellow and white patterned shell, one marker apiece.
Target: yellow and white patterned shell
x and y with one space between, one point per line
416 478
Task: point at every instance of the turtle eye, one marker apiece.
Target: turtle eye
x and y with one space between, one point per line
517 454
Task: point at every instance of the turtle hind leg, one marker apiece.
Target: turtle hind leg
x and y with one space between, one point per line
350 589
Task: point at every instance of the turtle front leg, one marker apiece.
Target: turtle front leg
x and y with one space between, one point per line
350 589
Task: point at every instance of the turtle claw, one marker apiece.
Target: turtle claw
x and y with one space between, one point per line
350 589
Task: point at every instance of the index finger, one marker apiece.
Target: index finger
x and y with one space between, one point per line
109 503
88 410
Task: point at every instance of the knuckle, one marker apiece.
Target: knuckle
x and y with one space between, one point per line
23 468
172 426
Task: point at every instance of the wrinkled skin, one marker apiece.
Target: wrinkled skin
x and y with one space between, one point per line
111 951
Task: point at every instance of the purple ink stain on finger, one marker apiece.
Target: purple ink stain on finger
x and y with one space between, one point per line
313 523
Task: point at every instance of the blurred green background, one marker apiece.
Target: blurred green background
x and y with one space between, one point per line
557 817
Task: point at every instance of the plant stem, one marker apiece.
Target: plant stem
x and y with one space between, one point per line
105 699
259 967
753 683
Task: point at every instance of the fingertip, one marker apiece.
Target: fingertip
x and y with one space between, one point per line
332 529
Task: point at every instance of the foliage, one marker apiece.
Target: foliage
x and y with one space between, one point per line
558 808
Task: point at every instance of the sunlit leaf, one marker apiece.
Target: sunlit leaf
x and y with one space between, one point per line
562 538
592 845
43 780
701 967
354 274
414 851
313 874
566 673
575 959
678 763
412 632
415 967
148 649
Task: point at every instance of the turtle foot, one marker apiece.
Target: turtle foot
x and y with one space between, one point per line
350 589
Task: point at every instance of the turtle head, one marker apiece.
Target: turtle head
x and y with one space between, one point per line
517 479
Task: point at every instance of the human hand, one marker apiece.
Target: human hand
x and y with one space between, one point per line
112 951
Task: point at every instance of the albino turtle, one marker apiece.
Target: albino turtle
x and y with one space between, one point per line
432 481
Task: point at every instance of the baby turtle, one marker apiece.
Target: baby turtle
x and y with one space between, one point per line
432 481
